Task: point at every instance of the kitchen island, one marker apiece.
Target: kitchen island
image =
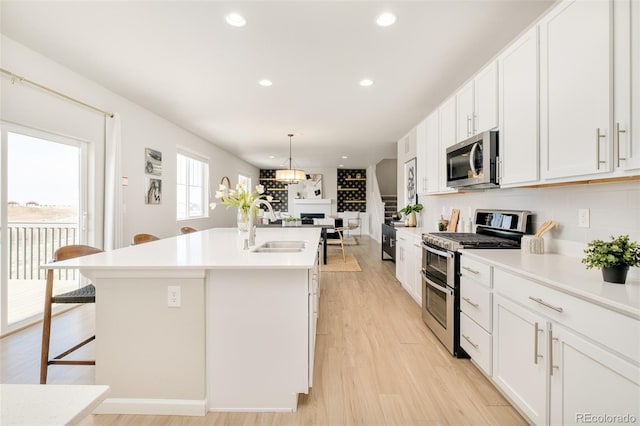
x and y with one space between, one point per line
195 323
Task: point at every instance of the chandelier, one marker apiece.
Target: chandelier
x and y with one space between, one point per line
290 175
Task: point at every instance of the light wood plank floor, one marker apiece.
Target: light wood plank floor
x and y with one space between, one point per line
376 363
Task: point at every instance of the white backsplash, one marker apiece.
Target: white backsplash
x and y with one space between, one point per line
614 210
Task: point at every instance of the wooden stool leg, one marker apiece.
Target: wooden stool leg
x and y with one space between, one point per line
46 328
344 259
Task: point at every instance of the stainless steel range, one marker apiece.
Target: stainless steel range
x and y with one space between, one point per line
441 267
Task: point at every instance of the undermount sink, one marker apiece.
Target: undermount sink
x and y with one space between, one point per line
280 247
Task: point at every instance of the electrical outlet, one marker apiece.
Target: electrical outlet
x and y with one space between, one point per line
583 218
174 299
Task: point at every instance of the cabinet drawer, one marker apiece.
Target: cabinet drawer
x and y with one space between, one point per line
604 326
477 342
475 301
478 271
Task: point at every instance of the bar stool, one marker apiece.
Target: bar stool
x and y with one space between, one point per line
86 294
187 230
143 238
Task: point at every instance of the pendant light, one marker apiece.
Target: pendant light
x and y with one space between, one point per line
290 175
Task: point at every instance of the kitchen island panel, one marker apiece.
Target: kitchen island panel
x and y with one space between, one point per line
147 352
257 339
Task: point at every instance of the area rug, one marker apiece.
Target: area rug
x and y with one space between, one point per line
336 264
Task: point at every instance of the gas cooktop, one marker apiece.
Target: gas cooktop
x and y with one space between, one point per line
494 229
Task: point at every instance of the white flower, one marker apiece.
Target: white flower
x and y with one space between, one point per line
269 198
222 187
219 194
260 189
240 186
212 206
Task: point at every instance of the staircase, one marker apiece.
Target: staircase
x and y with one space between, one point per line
390 206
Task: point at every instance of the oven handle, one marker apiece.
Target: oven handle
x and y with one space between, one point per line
438 252
434 285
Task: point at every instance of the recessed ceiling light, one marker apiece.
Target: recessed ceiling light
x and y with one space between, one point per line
386 19
235 19
340 165
366 82
272 157
344 157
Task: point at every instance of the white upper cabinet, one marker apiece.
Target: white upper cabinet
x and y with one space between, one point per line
434 156
633 154
422 155
518 97
626 106
447 128
575 81
464 111
486 99
477 103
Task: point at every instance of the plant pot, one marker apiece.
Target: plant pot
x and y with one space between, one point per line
616 274
411 219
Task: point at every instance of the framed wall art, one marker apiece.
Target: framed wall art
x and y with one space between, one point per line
410 179
153 191
152 162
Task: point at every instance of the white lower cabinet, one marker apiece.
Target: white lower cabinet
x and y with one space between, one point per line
587 380
519 366
408 263
476 307
560 359
314 303
476 342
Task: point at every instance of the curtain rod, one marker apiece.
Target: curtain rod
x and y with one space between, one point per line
55 92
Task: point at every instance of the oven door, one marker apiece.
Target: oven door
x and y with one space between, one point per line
439 264
438 311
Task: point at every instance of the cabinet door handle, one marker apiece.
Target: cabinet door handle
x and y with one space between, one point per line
598 137
618 131
468 125
548 305
473 271
535 344
470 342
466 299
551 340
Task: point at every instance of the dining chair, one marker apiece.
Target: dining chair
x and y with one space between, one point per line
85 294
143 238
187 230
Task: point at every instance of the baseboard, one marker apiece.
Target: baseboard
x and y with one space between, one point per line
175 407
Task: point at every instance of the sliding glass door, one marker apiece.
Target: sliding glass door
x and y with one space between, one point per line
43 207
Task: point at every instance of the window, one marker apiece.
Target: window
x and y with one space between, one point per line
192 188
45 208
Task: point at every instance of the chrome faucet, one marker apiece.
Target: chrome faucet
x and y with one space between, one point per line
252 228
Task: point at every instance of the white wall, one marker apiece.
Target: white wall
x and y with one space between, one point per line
140 129
614 210
387 173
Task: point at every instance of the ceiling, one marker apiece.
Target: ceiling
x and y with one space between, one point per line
181 60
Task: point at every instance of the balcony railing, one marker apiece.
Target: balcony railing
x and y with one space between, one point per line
32 244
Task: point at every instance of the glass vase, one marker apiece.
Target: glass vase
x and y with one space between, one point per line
243 220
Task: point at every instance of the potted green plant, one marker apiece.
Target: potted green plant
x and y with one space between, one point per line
613 257
410 213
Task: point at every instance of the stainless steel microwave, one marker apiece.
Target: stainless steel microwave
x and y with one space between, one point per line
472 163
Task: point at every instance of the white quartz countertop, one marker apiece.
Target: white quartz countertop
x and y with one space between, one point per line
566 274
411 231
48 404
218 248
